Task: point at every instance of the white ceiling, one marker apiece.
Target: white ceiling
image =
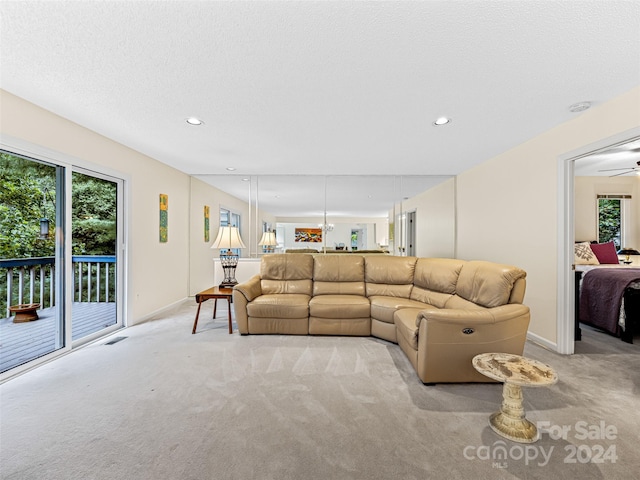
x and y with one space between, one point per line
319 88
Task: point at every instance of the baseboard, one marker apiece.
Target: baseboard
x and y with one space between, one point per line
160 312
532 337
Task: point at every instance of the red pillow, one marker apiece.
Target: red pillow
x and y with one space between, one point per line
605 252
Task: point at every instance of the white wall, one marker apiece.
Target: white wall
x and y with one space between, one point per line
507 207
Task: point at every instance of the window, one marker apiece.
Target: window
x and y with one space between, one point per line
613 212
230 219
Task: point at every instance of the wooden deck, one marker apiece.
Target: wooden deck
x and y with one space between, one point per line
22 342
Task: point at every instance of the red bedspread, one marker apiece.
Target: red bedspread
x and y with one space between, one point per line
601 296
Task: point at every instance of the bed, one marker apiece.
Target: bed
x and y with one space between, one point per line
608 298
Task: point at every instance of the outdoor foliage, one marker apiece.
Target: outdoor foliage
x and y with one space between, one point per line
28 193
94 216
609 221
22 188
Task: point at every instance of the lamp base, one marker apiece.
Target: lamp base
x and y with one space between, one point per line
229 263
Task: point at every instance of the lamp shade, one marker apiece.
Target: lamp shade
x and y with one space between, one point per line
628 251
228 237
268 239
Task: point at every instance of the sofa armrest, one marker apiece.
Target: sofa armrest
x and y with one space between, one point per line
250 289
469 317
243 293
448 339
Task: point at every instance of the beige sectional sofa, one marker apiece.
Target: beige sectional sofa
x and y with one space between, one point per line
441 312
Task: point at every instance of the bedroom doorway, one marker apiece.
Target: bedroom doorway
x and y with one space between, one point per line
570 229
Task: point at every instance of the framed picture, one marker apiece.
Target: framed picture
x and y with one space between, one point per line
206 223
164 218
309 235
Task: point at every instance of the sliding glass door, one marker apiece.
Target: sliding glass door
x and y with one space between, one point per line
94 243
60 259
31 261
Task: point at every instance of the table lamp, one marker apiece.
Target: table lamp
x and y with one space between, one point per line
228 238
626 251
268 241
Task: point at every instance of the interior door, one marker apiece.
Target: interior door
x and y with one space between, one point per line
411 234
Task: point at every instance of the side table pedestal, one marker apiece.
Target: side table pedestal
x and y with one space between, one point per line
515 371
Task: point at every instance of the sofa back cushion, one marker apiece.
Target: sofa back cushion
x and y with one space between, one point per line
389 276
435 280
286 273
486 283
338 275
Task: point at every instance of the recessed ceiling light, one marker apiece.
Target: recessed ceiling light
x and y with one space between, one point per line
579 107
194 121
245 179
231 169
442 121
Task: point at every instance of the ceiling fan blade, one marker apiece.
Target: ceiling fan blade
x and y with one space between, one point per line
614 169
623 173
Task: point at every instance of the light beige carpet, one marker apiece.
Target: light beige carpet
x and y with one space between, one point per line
165 404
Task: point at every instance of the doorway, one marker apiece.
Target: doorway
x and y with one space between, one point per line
566 234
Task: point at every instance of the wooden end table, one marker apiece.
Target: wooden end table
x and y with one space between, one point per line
214 293
516 372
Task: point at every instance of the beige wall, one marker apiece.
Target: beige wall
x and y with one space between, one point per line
157 274
435 220
586 211
507 207
201 255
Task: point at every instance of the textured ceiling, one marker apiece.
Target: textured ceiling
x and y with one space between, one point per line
319 88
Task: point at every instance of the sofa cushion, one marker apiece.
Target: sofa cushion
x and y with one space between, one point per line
281 287
337 275
279 306
383 308
435 280
438 274
406 328
487 284
339 306
457 302
430 297
389 269
389 276
286 274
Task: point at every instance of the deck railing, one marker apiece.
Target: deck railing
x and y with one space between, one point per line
32 280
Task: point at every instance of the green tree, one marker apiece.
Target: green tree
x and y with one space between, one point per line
28 193
94 210
25 189
609 221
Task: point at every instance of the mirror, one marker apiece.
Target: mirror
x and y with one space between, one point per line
340 212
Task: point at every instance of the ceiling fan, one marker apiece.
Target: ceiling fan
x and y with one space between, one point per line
626 170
